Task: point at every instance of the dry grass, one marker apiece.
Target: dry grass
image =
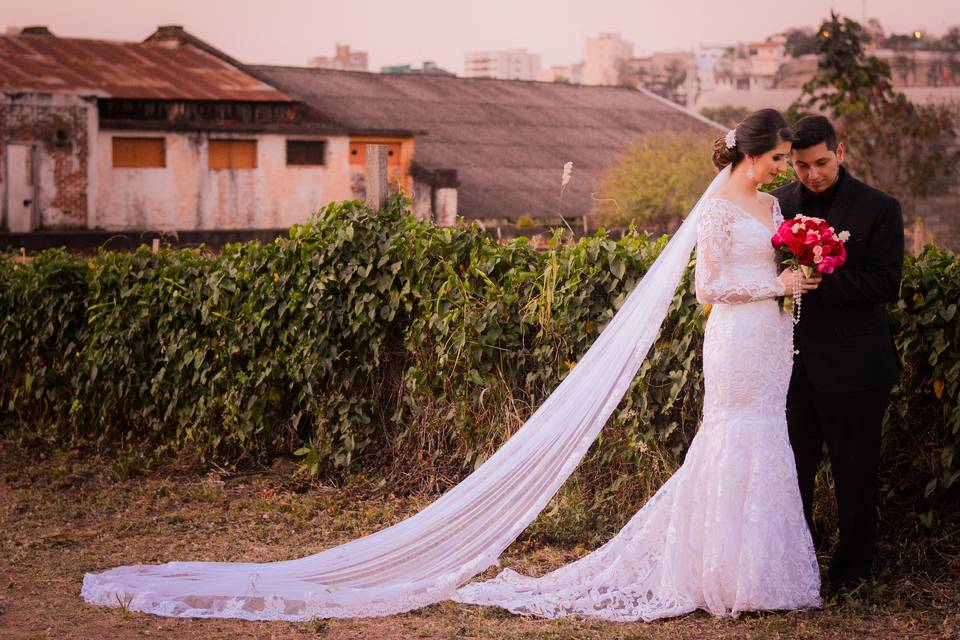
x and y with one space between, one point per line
62 516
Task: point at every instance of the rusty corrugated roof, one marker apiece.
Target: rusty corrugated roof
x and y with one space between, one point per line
133 70
507 139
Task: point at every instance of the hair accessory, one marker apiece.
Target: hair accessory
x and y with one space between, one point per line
731 138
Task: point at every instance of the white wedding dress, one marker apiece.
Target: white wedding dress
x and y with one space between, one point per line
726 533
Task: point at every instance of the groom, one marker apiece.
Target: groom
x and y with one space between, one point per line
847 361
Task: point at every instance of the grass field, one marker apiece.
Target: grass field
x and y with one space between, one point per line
64 515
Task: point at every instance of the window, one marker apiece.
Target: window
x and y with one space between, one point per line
306 152
232 154
139 153
358 152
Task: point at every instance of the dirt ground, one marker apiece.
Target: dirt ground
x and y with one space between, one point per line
62 516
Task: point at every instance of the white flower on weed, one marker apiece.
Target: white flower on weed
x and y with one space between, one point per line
843 236
564 180
567 172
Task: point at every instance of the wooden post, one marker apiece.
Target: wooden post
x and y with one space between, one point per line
155 247
375 176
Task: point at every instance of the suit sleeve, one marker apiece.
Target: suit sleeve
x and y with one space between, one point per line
877 281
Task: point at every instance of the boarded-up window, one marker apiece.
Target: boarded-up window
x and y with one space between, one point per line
306 151
139 153
358 152
233 154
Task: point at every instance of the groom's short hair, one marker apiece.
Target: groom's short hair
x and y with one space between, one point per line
812 130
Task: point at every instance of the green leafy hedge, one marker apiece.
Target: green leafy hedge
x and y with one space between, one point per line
382 343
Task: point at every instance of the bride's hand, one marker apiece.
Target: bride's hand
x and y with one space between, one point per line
791 276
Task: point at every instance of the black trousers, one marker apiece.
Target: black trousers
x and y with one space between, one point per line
850 424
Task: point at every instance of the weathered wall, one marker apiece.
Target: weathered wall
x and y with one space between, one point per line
61 127
422 200
941 219
398 168
939 212
186 194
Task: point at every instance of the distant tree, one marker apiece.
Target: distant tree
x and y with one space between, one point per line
935 72
900 147
801 42
728 116
875 32
625 77
846 80
676 75
949 44
904 65
950 41
656 181
665 81
913 41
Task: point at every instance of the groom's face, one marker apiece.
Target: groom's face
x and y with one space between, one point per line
817 167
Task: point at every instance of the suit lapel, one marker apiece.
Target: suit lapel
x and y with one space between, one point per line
790 204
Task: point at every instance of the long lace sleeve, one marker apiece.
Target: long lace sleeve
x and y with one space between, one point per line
717 281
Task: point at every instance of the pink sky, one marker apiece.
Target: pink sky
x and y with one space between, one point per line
410 31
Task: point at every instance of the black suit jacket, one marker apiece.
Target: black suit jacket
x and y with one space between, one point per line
844 334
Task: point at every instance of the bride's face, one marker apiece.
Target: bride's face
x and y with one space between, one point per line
768 166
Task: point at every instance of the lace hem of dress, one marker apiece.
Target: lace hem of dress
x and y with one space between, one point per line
104 589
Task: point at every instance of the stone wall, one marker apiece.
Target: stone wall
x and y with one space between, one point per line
60 128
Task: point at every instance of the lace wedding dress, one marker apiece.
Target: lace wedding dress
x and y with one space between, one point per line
725 533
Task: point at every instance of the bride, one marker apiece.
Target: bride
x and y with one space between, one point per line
726 533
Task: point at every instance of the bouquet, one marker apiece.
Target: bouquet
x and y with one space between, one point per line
810 244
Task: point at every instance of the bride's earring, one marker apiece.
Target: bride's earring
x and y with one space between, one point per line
750 172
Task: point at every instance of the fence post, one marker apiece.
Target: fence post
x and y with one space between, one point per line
375 176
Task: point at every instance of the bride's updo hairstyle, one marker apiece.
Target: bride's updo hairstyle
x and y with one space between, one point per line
758 133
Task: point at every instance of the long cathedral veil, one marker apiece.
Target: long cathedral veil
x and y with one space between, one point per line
425 558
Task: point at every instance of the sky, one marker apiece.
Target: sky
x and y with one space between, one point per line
411 31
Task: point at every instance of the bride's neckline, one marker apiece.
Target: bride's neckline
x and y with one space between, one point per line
771 229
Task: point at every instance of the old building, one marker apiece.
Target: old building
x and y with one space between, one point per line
604 59
910 69
508 64
500 144
714 66
429 68
571 73
165 134
343 59
172 135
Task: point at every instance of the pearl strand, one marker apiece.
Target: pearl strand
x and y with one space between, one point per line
797 298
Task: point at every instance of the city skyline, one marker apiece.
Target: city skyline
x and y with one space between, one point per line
293 32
